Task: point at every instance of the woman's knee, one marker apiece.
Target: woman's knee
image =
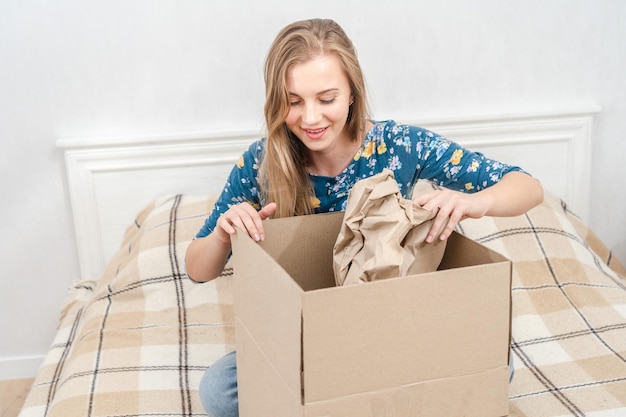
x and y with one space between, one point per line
218 388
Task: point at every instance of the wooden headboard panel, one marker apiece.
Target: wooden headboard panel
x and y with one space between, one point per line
111 179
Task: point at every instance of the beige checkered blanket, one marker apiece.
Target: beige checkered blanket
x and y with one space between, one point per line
137 342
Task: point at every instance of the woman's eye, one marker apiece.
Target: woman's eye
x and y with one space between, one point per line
327 101
294 103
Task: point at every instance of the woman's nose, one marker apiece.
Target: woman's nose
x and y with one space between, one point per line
310 114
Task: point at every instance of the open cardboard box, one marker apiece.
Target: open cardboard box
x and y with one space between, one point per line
434 344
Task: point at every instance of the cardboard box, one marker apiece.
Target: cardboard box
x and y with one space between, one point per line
434 344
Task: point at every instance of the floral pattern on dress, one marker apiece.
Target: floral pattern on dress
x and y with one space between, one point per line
411 152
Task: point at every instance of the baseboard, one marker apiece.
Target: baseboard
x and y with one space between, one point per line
20 367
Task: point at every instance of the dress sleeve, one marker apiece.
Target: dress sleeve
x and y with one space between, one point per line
241 186
448 164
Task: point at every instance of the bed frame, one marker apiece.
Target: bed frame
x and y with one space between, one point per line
110 179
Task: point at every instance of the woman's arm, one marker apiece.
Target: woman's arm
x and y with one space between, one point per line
206 257
514 194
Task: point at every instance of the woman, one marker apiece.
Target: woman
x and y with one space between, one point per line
319 142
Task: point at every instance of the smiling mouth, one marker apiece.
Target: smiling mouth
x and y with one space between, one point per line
315 131
315 134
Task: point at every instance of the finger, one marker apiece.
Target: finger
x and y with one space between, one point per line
267 211
423 200
242 216
438 226
447 231
225 224
249 220
454 219
252 225
264 213
224 229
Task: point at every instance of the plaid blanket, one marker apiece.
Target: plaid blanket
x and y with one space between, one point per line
569 313
137 342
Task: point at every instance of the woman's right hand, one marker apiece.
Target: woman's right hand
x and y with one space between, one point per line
206 257
244 217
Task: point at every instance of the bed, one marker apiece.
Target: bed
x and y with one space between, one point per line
135 336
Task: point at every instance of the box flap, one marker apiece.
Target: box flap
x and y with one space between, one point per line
299 244
258 381
462 251
268 304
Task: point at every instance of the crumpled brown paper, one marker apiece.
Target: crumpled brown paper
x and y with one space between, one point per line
383 235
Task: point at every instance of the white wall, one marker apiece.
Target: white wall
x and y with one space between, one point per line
71 68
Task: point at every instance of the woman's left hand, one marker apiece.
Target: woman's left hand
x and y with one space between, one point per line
454 206
513 195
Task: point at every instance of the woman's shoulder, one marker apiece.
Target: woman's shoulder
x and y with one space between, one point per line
257 145
250 159
256 149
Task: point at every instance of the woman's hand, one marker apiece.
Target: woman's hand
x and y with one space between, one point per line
244 217
514 194
454 206
206 257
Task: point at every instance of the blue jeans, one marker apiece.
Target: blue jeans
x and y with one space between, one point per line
218 388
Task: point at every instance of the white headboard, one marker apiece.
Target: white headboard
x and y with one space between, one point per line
111 179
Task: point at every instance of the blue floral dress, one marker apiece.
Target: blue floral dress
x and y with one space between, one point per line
411 152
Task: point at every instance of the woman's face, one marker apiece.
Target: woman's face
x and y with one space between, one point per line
320 98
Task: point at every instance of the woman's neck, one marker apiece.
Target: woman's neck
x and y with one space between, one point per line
335 161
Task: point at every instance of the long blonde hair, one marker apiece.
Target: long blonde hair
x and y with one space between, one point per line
282 174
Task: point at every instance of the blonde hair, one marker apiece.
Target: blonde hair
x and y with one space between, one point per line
282 174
